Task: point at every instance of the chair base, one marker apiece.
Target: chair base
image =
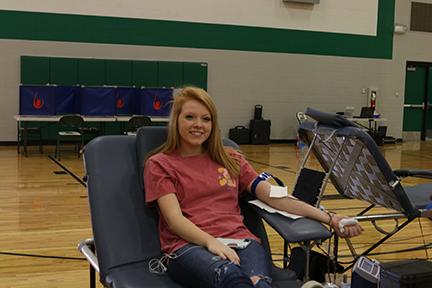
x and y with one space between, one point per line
77 149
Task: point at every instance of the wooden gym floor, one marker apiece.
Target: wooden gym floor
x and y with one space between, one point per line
44 211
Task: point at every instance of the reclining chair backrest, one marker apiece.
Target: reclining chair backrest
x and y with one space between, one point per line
124 229
148 138
361 171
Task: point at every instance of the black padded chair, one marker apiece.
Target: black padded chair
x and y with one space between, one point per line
69 128
125 229
353 162
135 122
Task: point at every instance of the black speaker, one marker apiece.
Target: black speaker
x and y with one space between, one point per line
260 131
376 137
258 112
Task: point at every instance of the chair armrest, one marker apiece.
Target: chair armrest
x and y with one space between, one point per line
294 231
85 247
413 173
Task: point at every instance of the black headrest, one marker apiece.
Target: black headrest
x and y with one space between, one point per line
330 119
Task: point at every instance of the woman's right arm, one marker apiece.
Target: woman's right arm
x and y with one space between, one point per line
183 227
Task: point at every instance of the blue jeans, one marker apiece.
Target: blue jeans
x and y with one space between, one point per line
195 266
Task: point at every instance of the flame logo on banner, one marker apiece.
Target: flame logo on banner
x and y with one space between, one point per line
38 102
157 104
120 103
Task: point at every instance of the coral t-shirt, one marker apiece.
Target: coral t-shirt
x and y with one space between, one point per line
207 194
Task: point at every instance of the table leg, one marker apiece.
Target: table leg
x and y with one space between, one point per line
18 137
25 141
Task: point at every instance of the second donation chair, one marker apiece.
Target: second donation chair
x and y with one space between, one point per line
353 162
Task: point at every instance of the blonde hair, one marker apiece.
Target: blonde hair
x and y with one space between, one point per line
213 145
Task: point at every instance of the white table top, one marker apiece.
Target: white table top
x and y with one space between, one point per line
24 118
367 119
55 118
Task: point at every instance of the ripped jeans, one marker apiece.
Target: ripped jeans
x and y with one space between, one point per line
197 267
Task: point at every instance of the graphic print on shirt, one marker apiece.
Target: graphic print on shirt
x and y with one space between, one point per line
225 178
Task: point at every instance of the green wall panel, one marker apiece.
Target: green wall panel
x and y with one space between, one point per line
98 72
170 74
195 74
118 72
145 73
91 72
429 89
117 30
413 119
64 71
415 85
35 70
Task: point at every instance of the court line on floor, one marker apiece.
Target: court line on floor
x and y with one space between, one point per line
40 256
78 179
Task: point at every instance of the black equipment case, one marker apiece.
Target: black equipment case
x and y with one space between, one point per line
260 131
240 134
406 273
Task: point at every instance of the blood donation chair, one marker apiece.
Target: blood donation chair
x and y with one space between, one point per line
125 229
353 162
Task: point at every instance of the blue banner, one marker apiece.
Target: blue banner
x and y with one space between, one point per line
36 100
97 101
66 100
125 100
154 101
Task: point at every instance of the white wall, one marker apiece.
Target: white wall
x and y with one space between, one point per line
342 16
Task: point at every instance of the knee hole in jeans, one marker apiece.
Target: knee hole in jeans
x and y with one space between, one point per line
229 275
261 280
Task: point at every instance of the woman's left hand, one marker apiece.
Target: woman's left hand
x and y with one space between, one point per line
349 230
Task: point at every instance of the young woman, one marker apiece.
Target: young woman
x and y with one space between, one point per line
196 184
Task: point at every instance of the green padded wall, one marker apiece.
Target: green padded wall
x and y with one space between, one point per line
118 72
64 71
91 72
35 70
98 72
195 74
145 73
170 74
